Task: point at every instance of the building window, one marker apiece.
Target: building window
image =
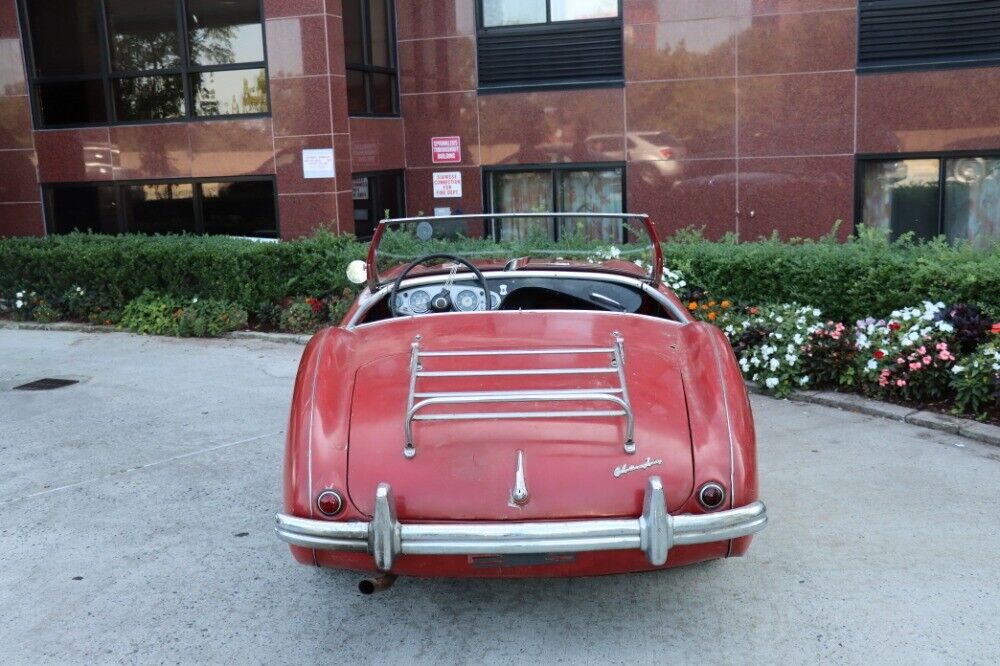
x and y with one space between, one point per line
376 196
226 207
564 189
922 34
370 54
537 44
94 62
957 197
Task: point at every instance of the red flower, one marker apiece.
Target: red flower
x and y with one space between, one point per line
315 304
879 354
996 329
893 326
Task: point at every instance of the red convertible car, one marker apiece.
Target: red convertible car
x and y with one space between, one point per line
518 395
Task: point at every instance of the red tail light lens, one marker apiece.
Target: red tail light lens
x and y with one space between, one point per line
711 496
667 153
330 503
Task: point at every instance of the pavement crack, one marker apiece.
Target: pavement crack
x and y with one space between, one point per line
155 463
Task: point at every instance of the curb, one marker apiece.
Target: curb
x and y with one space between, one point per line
849 402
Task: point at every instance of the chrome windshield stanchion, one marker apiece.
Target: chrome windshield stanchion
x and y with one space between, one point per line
616 395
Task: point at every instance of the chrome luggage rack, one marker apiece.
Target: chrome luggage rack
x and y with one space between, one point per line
616 396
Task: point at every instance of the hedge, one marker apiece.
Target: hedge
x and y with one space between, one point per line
847 281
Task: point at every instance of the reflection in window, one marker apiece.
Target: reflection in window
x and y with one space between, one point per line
901 196
143 34
150 60
165 208
369 50
905 195
149 97
88 208
972 200
566 190
498 13
223 33
244 208
230 92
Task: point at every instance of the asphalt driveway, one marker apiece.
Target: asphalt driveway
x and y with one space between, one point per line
136 513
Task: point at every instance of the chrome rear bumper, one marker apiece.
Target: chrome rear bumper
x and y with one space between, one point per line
654 532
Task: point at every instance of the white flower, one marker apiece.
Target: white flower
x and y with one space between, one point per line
797 338
771 382
803 380
872 364
779 336
20 294
775 363
945 327
19 303
779 319
194 300
755 361
791 358
816 312
958 369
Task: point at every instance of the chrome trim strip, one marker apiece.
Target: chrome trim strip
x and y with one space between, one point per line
654 532
520 352
518 372
540 393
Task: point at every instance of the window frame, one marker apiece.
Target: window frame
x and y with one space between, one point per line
108 76
373 191
941 156
552 169
548 22
196 195
549 27
367 70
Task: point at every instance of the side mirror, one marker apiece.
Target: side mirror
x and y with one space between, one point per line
357 271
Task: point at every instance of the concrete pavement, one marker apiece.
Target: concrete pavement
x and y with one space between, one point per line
136 515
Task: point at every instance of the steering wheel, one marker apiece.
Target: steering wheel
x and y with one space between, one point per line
440 302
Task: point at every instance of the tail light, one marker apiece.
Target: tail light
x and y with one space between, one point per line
667 153
711 496
330 503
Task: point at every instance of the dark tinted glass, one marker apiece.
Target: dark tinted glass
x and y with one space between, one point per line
72 103
356 99
240 209
225 32
83 208
379 33
972 200
232 92
383 100
143 34
149 98
354 45
65 36
901 196
159 209
390 188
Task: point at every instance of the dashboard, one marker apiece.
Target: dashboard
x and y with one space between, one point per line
465 298
523 293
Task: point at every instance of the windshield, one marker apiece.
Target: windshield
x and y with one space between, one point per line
617 243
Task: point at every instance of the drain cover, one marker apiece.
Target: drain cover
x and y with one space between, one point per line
46 384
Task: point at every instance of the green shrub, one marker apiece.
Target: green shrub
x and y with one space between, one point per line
303 315
152 314
865 276
209 318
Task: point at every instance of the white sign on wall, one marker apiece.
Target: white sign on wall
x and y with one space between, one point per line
318 163
448 185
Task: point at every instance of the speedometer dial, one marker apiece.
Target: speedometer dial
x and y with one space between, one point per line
467 300
419 301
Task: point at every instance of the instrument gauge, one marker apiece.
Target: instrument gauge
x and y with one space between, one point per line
467 300
420 300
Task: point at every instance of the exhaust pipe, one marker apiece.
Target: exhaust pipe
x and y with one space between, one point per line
376 584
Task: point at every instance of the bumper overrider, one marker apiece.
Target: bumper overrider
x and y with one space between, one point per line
654 532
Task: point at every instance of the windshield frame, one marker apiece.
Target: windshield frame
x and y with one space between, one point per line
375 281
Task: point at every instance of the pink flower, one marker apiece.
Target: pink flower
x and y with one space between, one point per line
922 350
882 381
941 346
927 360
945 356
900 382
835 335
915 366
900 360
